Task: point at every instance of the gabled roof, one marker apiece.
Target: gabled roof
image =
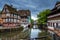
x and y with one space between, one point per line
58 2
24 12
10 8
55 10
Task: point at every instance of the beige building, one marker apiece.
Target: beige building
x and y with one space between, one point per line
9 17
53 21
25 17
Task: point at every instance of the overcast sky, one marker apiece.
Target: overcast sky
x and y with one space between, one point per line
35 6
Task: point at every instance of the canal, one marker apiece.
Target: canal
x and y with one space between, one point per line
23 35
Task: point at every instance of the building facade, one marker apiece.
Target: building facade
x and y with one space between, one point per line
25 17
9 17
54 20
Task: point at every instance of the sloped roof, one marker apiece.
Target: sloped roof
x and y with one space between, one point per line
58 2
10 8
55 10
24 12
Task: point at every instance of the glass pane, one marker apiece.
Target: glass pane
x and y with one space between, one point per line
14 20
7 14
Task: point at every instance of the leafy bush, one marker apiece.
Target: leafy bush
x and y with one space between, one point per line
43 33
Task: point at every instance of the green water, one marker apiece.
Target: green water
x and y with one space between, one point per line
17 35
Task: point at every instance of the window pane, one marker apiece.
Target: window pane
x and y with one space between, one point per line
11 20
18 16
4 20
11 15
14 20
7 20
18 21
7 14
7 10
15 16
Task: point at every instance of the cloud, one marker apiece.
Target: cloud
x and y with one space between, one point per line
34 18
31 6
35 6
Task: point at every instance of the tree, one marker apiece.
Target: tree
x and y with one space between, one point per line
42 16
32 21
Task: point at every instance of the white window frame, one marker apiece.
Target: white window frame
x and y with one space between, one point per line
11 20
18 20
12 15
6 20
7 10
8 14
14 20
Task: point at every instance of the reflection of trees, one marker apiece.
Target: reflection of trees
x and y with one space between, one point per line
17 35
43 36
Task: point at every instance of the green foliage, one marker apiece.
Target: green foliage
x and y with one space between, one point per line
32 21
43 33
42 16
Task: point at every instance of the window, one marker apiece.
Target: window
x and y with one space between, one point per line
18 16
7 14
15 16
14 20
6 20
18 21
11 20
7 10
11 15
3 20
58 24
55 25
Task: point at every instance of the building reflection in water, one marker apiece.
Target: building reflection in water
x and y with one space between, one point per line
17 35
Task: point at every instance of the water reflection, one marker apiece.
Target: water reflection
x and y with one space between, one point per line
23 35
17 35
34 33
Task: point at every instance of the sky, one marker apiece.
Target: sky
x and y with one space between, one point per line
35 6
